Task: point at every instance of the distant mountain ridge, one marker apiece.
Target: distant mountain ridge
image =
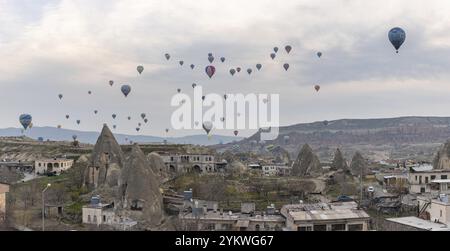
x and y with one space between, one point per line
90 137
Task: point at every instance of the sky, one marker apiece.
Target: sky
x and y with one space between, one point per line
49 47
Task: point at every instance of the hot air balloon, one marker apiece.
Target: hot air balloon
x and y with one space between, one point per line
210 54
181 62
143 115
59 126
89 92
138 129
167 130
126 89
317 87
194 85
397 37
78 122
211 58
114 126
222 59
140 69
286 66
232 72
167 56
129 118
275 49
25 120
111 83
192 66
139 124
146 121
273 55
178 90
67 116
210 70
258 66
114 116
236 133
238 69
95 112
225 96
222 119
288 48
74 137
60 96
319 54
203 98
207 126
249 71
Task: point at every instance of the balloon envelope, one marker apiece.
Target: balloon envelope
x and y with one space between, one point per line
167 56
194 85
249 71
317 87
319 54
126 89
210 70
275 49
25 120
397 37
286 66
143 115
273 55
192 66
258 66
238 69
222 59
288 48
60 96
207 126
210 58
181 63
111 82
232 72
140 69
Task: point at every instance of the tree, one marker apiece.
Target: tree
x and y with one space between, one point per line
358 165
338 161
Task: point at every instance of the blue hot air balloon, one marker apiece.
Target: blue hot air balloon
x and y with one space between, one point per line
25 120
126 89
397 37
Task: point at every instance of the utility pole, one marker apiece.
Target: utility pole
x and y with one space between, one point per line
43 205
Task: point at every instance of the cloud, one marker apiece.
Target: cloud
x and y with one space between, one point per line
71 47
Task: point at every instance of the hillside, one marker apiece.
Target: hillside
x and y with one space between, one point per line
55 134
378 138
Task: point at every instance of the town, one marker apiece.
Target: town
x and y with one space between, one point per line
165 186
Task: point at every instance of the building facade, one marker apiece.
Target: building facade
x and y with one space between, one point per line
420 180
4 189
276 170
54 166
184 163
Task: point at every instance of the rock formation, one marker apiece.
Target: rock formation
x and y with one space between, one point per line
157 165
106 161
442 158
139 188
307 163
281 155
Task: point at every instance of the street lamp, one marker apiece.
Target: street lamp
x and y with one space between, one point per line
43 206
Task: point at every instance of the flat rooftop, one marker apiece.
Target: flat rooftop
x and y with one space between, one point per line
211 215
420 223
324 211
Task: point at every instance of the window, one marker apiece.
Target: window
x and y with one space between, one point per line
422 190
355 227
416 177
441 213
104 218
420 179
433 177
426 180
257 227
95 218
137 205
443 177
210 227
39 164
320 227
305 228
89 218
338 227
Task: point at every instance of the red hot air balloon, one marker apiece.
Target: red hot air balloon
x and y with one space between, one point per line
210 70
